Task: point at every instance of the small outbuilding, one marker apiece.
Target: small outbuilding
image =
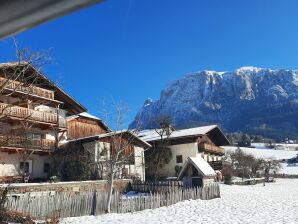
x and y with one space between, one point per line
196 172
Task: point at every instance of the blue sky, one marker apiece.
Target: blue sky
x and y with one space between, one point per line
129 50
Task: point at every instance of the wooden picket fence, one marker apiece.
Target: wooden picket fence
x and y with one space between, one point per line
166 198
94 203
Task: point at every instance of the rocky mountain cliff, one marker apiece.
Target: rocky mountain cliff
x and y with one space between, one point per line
249 99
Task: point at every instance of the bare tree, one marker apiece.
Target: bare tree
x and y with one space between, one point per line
117 149
160 154
245 165
269 165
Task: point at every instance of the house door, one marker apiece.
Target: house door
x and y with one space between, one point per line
197 182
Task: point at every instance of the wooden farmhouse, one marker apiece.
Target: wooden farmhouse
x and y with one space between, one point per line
33 113
92 136
101 148
38 120
203 142
196 172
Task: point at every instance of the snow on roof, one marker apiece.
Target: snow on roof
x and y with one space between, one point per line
84 114
152 135
109 134
200 164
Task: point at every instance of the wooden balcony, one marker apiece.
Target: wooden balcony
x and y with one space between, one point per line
26 143
32 115
31 90
210 148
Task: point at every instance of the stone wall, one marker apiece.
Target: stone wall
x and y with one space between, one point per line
76 186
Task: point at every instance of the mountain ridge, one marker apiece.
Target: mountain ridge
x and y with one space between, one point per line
249 99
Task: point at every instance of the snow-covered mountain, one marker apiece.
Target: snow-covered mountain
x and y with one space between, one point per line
249 99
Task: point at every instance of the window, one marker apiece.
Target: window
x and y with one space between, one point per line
195 171
25 167
179 159
46 168
34 136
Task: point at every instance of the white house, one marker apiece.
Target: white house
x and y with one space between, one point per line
203 142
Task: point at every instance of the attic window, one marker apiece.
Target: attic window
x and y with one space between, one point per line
179 159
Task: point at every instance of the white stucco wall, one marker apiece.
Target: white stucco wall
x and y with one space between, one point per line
186 150
139 167
10 165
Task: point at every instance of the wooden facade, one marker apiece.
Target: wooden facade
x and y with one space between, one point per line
33 105
17 112
13 85
205 144
100 148
33 113
81 127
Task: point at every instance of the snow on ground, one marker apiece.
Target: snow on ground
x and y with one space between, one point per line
288 169
274 203
265 153
271 153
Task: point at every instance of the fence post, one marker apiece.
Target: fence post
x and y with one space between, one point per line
93 209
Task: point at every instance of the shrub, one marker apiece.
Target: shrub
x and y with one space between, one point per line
227 173
10 216
3 199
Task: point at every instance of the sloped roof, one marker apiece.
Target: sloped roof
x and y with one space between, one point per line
152 135
200 164
110 134
84 114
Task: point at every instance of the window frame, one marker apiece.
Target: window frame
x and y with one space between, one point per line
179 158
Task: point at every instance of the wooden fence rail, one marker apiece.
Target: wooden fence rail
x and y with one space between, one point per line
157 186
94 203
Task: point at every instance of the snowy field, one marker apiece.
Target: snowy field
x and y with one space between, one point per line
288 169
265 153
274 203
271 153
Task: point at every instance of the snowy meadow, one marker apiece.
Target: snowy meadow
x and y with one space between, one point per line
274 203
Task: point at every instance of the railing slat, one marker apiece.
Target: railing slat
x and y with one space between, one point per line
24 113
22 142
34 90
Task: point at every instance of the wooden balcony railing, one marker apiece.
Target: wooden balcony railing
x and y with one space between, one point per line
33 115
31 90
26 143
210 148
